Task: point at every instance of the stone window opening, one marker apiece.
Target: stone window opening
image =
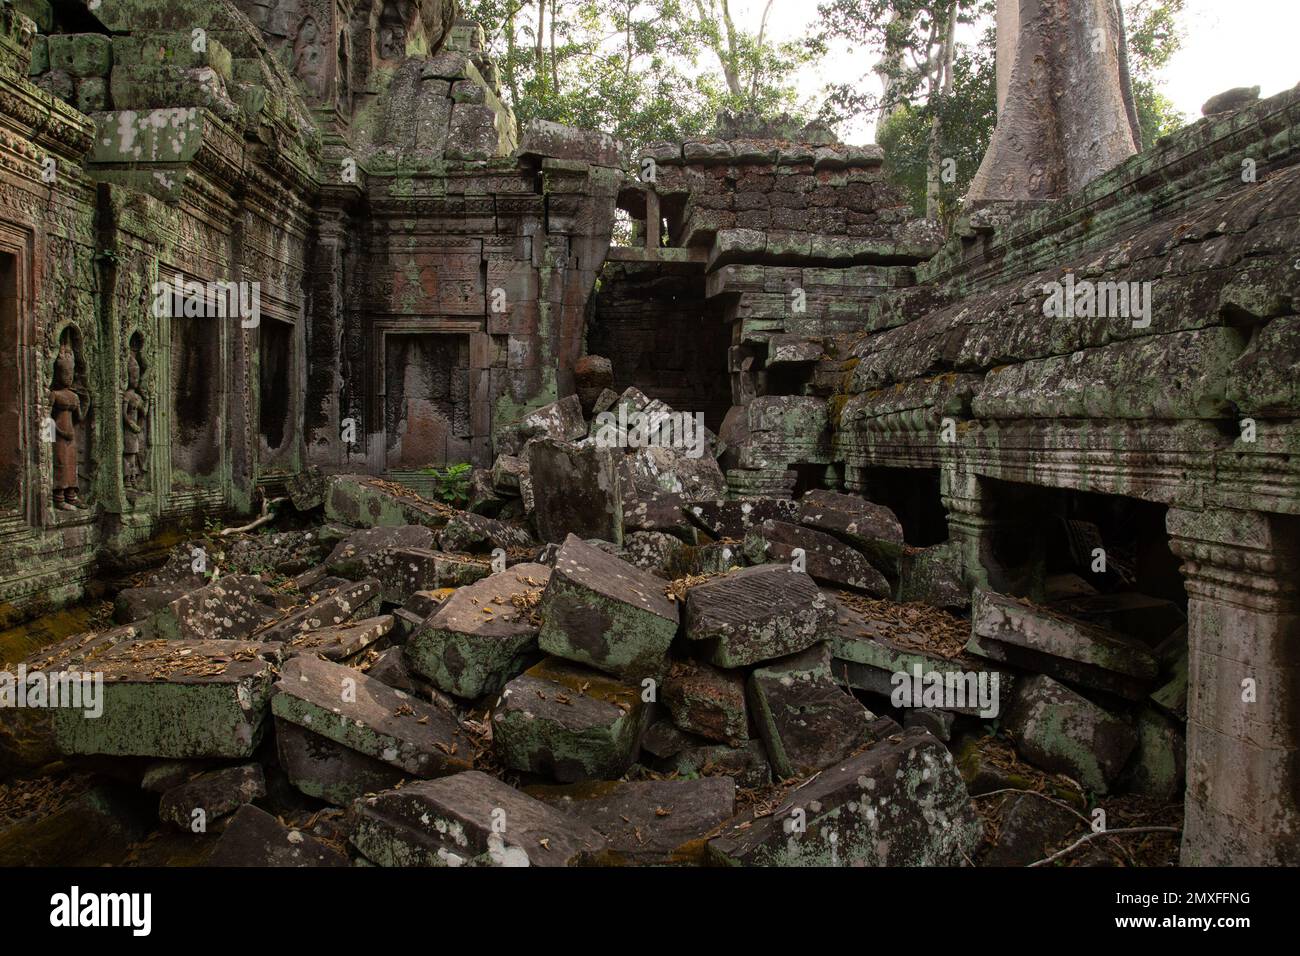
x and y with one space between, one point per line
913 495
1099 558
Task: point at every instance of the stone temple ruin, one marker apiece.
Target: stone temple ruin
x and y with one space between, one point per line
920 534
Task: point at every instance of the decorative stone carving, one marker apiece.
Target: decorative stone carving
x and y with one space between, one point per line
69 406
309 57
135 416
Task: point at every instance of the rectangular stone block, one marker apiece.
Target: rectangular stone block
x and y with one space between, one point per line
175 699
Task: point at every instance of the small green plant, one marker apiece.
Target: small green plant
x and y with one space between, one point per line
451 484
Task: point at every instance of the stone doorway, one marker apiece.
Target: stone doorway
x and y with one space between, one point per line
11 449
196 398
277 381
426 399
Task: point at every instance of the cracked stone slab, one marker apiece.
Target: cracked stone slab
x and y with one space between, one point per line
359 712
648 822
601 611
900 802
826 559
756 614
806 721
479 637
568 722
1005 629
177 699
467 819
857 521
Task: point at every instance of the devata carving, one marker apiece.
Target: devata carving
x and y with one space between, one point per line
69 406
309 57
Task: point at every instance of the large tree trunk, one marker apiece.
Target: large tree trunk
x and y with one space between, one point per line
1065 120
1008 27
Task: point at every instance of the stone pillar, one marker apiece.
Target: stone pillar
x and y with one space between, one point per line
971 522
325 297
1243 707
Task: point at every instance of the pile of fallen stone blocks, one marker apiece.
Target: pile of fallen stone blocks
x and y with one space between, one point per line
662 675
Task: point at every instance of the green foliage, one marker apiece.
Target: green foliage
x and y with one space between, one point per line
1155 34
903 35
967 117
641 70
451 484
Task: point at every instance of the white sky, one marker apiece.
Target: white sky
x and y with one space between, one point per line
1228 43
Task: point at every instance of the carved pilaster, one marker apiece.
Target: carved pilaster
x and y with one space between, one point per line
1242 572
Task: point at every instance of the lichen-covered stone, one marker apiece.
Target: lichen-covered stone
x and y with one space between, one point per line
900 802
173 698
568 723
471 533
706 701
601 611
576 490
806 721
480 636
366 502
467 819
346 706
826 559
230 608
331 608
1062 732
1018 633
731 519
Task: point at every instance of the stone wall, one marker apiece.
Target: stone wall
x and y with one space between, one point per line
352 163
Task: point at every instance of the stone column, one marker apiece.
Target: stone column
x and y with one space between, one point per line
321 428
973 522
1243 707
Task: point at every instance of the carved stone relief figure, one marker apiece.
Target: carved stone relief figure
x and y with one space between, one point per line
342 85
134 418
392 33
69 406
309 57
